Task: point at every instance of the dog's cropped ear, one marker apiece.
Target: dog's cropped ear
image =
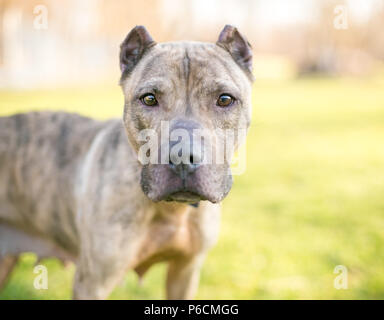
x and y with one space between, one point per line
237 45
133 47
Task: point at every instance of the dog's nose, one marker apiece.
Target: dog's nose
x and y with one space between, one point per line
184 169
184 159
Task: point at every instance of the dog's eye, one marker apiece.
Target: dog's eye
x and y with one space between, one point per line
225 100
149 100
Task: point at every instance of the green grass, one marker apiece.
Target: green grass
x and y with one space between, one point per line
312 196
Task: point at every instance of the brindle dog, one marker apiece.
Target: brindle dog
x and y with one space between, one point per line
73 188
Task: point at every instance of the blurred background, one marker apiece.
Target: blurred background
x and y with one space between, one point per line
312 197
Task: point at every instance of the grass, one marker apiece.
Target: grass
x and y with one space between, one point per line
312 197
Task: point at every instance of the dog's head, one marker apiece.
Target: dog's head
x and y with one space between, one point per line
182 102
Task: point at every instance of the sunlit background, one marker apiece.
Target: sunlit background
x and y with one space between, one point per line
312 197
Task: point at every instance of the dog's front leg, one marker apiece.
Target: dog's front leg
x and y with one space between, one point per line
183 277
95 278
92 284
102 263
7 263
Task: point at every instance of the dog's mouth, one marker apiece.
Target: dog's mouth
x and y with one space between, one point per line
184 196
160 183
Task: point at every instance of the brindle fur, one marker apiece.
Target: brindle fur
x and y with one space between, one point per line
72 187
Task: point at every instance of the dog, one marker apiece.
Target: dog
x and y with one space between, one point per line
73 188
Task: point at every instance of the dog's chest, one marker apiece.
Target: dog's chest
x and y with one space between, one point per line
168 236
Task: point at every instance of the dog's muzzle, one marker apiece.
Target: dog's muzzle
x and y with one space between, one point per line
185 178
